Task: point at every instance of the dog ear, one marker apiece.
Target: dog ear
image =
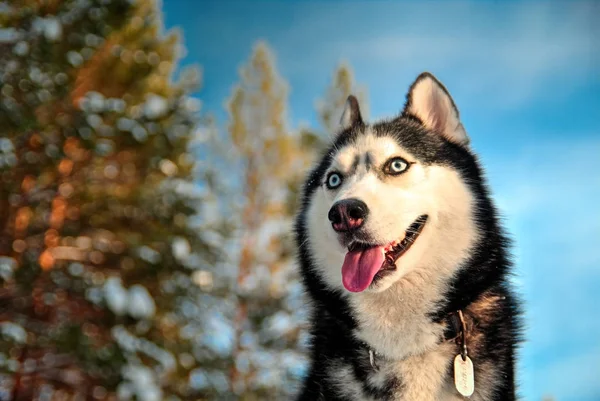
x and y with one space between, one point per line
351 115
429 101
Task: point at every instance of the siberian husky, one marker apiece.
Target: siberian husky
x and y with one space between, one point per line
405 263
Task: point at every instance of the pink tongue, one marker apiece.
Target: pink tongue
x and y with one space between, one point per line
360 267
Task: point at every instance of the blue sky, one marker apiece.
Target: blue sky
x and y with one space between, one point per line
526 78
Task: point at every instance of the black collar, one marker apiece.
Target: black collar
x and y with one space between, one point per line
454 326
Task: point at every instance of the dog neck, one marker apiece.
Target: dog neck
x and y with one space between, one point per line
397 322
457 330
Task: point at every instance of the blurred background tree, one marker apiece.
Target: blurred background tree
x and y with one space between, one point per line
103 248
144 253
267 362
329 110
331 106
145 250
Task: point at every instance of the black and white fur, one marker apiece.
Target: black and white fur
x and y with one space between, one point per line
459 262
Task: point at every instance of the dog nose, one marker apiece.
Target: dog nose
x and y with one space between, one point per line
348 214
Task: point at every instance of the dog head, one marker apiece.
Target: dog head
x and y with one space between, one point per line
392 197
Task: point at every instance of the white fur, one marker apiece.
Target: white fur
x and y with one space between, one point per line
396 322
434 190
423 378
424 374
393 316
433 106
342 378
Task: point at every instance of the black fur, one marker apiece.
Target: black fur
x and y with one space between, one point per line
486 273
352 112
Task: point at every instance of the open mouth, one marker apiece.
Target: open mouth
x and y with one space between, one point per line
366 263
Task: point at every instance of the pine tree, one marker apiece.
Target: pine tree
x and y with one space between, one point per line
330 108
266 362
329 111
104 257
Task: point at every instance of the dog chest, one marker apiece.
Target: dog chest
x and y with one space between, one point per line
424 377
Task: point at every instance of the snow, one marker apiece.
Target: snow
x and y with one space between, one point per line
74 58
125 124
94 120
204 379
115 295
9 35
104 147
185 188
141 303
242 362
148 254
50 27
139 133
218 335
13 331
212 238
6 145
248 339
117 105
92 40
35 74
192 104
191 76
124 391
295 363
136 301
9 160
94 295
141 383
95 102
278 324
21 48
181 249
132 344
155 107
177 131
7 267
61 78
5 9
180 51
198 379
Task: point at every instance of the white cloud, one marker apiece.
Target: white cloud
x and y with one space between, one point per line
549 176
505 52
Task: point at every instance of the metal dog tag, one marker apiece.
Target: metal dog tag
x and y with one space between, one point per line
464 377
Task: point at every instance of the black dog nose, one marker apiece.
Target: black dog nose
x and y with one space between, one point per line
348 214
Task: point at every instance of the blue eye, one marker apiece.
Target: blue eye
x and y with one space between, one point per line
334 180
396 165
